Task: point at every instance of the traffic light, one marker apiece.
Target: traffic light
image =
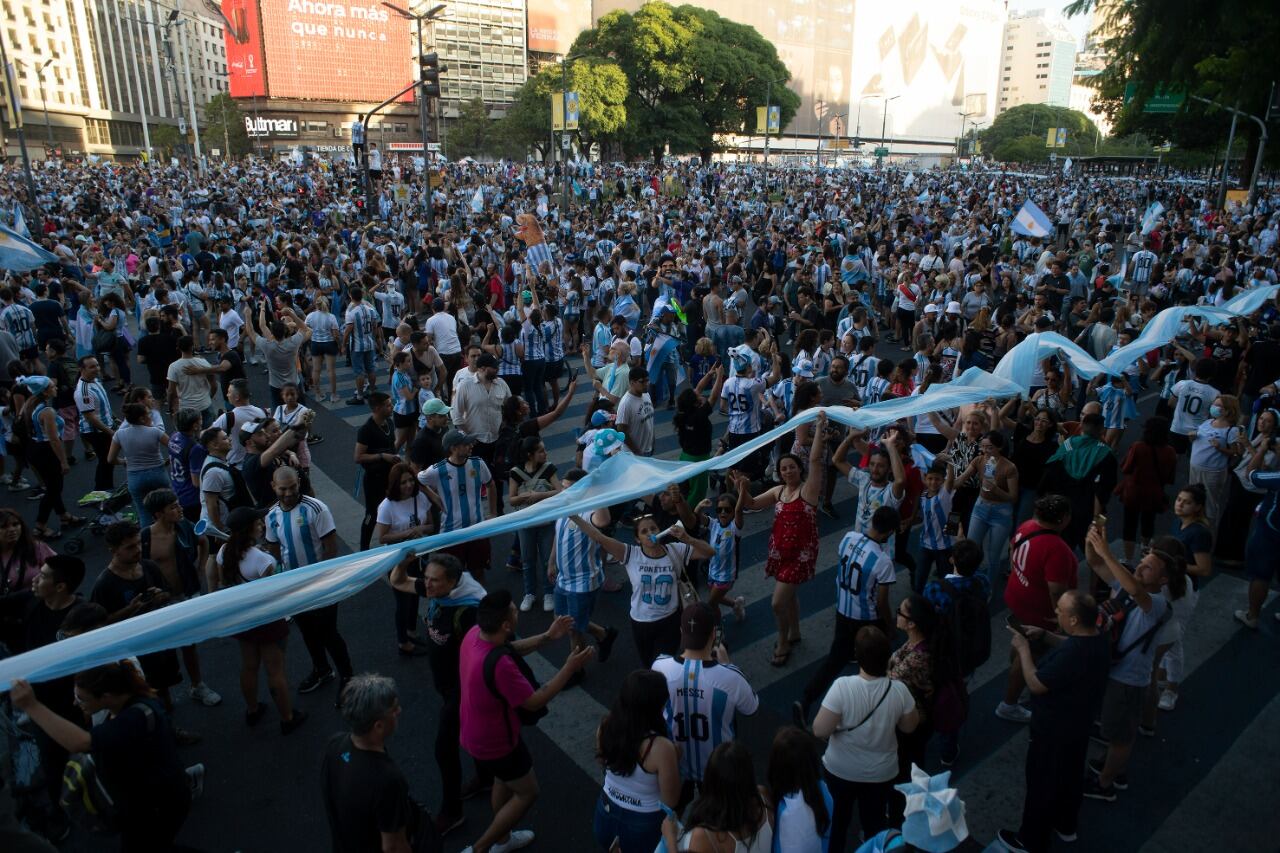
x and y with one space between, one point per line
429 73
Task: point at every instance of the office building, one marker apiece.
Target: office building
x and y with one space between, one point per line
98 68
483 45
1037 61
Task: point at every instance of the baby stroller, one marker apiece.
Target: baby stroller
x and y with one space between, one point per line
115 505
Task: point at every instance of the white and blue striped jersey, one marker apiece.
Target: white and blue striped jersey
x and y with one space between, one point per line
864 566
1113 401
37 426
461 490
535 345
877 387
92 397
402 382
601 340
579 563
863 369
703 699
362 319
784 392
744 397
923 362
392 304
553 334
870 498
21 323
298 531
723 567
934 510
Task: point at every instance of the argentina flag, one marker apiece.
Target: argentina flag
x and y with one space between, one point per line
19 254
1031 221
1152 217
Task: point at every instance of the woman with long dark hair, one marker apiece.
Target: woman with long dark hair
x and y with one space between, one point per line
133 749
404 514
731 813
641 766
47 453
239 561
801 801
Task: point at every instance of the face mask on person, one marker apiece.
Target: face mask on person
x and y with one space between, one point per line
1215 411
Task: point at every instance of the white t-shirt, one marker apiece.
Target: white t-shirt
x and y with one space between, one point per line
443 329
797 830
870 498
901 302
243 415
654 594
193 390
254 564
403 514
1194 400
868 753
231 322
636 414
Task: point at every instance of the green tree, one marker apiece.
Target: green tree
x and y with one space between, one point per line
1217 50
224 126
471 133
602 112
692 75
1008 137
165 139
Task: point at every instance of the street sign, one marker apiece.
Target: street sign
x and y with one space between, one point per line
1161 102
881 152
182 125
838 144
565 142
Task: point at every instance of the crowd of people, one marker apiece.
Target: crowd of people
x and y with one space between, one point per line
707 289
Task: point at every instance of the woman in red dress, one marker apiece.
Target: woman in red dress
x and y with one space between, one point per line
793 541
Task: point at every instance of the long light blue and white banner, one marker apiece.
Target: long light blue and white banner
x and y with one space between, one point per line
621 478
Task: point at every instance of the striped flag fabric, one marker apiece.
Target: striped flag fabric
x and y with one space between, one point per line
1152 217
19 254
1031 221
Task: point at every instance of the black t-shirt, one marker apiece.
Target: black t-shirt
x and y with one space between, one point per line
136 754
446 626
426 449
160 350
694 430
1263 359
376 439
114 592
235 372
258 478
1228 358
365 795
1075 671
48 316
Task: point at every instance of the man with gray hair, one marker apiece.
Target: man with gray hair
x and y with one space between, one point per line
366 797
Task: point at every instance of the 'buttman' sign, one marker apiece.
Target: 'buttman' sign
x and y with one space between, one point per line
259 126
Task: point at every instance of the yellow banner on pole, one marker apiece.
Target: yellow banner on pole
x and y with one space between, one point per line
557 112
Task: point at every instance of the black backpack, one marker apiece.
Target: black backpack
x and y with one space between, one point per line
526 717
970 618
1114 613
241 495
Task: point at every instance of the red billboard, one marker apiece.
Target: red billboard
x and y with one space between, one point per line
317 50
242 32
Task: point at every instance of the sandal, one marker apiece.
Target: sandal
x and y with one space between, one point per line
46 534
780 658
73 521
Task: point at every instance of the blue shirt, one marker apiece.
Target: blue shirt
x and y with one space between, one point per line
579 567
723 568
863 567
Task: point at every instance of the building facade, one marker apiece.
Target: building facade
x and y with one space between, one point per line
100 69
1038 60
483 44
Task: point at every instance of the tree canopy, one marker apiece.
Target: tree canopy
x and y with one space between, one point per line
1217 50
471 133
602 112
224 126
1018 134
692 74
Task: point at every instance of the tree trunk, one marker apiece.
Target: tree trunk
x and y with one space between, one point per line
705 154
657 155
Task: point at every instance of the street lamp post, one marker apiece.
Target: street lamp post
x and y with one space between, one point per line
857 133
960 142
431 14
884 121
167 38
564 134
48 128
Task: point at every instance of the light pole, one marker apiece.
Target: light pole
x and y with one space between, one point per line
48 128
884 120
768 104
960 141
431 14
857 133
168 49
191 95
564 134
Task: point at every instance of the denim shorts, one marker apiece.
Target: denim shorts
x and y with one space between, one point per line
579 605
362 361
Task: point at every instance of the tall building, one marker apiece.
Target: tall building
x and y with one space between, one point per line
1037 61
98 67
911 67
483 45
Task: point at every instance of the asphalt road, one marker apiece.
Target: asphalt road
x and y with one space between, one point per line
1204 779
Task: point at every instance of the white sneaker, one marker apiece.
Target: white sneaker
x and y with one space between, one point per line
548 603
1243 617
519 838
740 608
205 695
1168 701
526 604
1013 713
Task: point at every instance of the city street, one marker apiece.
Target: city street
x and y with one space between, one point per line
1210 791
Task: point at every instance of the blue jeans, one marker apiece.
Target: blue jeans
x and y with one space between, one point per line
535 553
990 526
635 832
142 483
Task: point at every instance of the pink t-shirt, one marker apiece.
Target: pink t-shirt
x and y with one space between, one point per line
484 732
